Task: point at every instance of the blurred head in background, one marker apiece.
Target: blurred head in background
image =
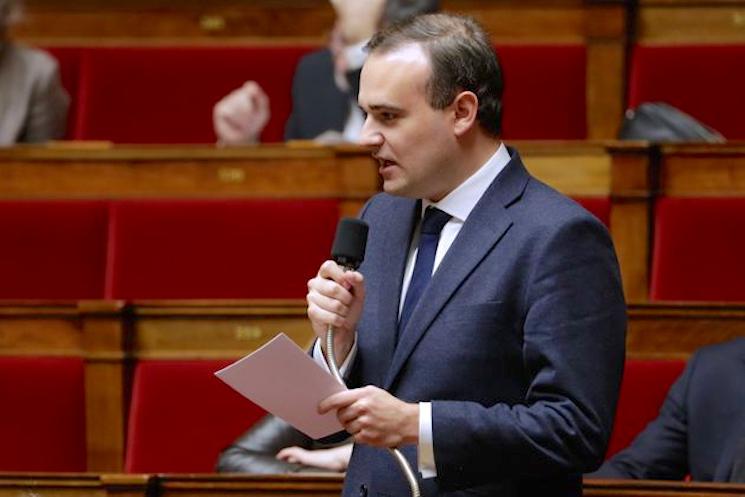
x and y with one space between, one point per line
10 12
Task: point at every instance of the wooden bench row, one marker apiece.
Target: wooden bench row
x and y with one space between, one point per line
625 177
111 337
120 485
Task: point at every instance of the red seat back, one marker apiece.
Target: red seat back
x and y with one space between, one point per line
166 94
699 250
181 416
544 92
163 249
52 249
643 389
705 81
598 206
42 420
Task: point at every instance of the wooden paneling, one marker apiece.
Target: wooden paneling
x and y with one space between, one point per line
676 331
691 21
120 485
644 488
703 170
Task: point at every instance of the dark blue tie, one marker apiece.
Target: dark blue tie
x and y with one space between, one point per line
434 220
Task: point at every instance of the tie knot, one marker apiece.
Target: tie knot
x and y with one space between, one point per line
434 220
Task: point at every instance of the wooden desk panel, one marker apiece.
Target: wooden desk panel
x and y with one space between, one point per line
677 330
691 21
123 485
692 170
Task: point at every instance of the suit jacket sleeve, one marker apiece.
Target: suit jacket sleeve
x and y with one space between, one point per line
47 117
254 451
660 452
573 353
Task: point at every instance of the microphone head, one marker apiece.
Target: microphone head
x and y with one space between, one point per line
350 241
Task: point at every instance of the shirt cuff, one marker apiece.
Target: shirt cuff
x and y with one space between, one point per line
321 359
426 446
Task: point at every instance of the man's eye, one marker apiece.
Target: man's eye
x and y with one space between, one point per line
387 116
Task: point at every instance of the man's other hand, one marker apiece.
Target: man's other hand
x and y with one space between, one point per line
374 417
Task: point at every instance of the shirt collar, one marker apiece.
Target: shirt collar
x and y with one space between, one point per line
460 202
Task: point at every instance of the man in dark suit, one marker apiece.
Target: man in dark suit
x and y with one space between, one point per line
324 88
700 430
500 374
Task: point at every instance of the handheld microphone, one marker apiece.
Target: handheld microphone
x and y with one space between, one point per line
349 243
348 251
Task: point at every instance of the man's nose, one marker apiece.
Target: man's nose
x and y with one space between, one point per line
370 135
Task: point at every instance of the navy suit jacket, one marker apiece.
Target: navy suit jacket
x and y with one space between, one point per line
518 342
318 105
701 426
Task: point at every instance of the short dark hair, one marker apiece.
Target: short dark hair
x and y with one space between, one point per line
462 59
399 10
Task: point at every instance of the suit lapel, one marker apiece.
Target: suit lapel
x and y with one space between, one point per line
485 226
396 251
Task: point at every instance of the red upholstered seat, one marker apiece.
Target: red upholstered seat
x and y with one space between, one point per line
643 389
545 91
699 250
705 81
52 249
218 248
42 420
166 94
69 64
181 416
598 206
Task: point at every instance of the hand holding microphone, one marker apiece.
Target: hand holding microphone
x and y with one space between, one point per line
335 299
336 294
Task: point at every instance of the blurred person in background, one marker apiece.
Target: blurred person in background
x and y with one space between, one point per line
33 104
326 82
272 446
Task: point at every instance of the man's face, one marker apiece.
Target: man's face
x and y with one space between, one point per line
413 143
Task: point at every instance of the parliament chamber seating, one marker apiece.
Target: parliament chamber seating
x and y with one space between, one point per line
643 389
166 94
52 249
217 248
162 94
544 92
705 81
42 420
181 416
698 249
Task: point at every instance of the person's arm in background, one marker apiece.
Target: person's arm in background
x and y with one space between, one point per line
272 446
47 114
660 452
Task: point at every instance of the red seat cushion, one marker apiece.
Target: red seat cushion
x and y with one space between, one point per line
52 249
544 92
598 206
698 250
166 94
643 390
218 248
705 81
42 420
182 416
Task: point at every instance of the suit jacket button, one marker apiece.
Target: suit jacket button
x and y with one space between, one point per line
363 490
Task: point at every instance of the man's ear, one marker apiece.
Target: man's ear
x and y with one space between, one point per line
465 110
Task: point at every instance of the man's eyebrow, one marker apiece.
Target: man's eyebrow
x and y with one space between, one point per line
384 107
